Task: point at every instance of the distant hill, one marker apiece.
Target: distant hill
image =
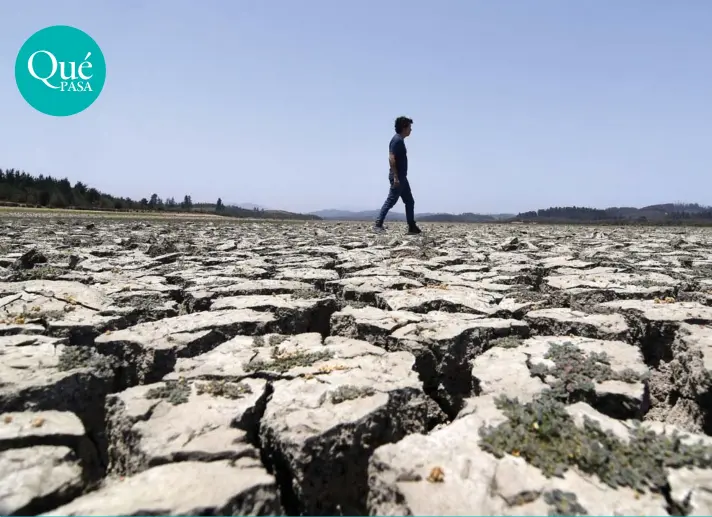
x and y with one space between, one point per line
665 213
364 215
370 215
248 206
347 215
456 218
239 211
18 188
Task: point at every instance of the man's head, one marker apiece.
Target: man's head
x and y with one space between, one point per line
404 126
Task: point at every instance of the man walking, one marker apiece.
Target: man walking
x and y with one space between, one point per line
398 177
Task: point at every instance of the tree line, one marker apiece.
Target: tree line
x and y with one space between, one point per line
19 188
668 213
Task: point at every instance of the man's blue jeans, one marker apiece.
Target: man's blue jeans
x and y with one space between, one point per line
401 191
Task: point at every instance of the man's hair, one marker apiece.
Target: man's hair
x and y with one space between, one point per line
402 123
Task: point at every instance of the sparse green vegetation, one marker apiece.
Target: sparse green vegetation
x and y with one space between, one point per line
355 304
347 392
282 362
307 294
73 357
175 392
269 340
277 339
527 295
562 504
507 342
546 436
575 372
38 273
222 388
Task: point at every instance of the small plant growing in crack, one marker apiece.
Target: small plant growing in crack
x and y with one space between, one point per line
270 340
346 392
175 392
307 294
563 503
575 372
38 273
645 282
507 342
526 295
546 436
222 388
282 362
277 339
356 304
75 357
629 375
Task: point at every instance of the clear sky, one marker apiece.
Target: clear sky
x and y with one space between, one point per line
290 104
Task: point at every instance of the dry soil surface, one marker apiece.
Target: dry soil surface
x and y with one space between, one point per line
208 368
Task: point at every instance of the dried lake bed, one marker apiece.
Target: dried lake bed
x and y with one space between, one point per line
215 367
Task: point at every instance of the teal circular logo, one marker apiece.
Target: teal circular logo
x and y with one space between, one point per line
60 71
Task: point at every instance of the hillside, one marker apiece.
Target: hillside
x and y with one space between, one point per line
666 213
261 213
347 215
18 188
247 205
370 215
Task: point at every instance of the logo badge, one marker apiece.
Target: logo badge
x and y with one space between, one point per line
60 71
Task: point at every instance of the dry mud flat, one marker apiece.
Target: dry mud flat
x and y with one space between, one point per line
200 368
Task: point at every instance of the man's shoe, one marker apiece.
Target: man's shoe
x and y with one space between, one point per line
378 228
414 230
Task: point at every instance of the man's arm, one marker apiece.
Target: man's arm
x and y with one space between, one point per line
393 166
396 149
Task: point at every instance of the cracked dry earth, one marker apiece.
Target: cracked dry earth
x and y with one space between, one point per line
209 368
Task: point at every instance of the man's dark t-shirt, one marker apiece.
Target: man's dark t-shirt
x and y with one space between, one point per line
397 147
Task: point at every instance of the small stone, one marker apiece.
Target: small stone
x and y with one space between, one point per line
437 475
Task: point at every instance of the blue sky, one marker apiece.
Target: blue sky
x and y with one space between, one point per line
290 104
